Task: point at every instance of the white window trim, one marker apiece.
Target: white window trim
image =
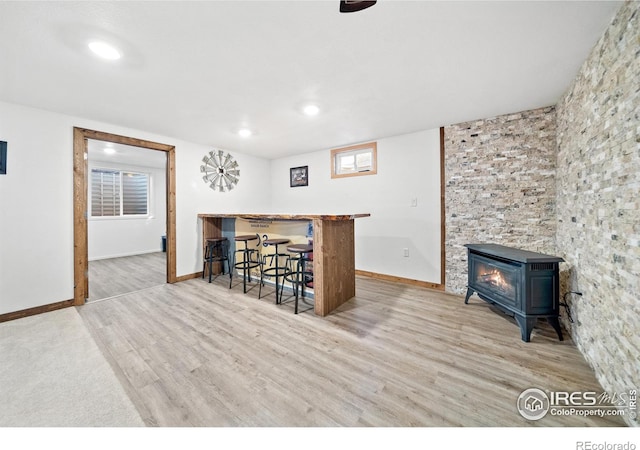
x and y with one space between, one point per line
370 147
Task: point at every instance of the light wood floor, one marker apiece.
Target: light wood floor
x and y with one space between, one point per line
117 276
199 354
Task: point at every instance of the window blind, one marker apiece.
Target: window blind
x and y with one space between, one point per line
135 187
105 193
117 193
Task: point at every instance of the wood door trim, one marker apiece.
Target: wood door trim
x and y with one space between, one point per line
443 230
80 206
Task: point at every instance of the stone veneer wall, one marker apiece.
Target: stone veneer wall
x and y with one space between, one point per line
499 186
598 203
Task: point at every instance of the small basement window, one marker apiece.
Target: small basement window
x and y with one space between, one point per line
354 161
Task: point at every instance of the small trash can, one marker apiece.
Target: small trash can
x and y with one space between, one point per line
164 244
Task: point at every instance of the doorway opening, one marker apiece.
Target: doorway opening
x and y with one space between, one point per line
83 176
126 219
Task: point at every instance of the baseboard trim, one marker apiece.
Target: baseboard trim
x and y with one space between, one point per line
124 255
190 276
381 276
35 310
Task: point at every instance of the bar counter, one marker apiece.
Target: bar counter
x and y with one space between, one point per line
334 278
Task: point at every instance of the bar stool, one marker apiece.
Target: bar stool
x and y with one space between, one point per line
300 276
280 269
250 260
216 250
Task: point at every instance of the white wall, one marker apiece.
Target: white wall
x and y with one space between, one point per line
408 168
110 237
36 212
36 202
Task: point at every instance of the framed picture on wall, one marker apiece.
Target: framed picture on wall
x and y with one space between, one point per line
3 158
299 176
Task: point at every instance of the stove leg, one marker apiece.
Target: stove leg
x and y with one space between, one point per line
555 323
469 294
526 325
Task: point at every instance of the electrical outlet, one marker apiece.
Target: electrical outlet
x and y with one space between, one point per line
414 202
406 252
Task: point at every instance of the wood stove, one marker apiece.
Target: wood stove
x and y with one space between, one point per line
521 283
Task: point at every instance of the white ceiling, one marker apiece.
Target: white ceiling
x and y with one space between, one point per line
118 154
200 70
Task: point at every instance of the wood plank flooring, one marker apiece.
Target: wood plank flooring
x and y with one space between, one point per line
199 354
117 276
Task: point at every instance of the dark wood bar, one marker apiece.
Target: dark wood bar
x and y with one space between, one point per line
333 252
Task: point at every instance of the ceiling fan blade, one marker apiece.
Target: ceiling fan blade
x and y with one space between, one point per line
347 6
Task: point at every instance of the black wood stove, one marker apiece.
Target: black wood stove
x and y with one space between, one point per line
521 283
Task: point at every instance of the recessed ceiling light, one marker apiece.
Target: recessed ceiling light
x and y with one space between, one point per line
104 50
311 110
109 150
244 132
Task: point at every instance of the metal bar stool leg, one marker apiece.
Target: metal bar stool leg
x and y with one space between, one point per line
298 271
245 257
216 250
298 279
277 298
247 263
276 270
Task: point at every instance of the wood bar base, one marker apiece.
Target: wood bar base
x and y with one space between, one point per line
334 270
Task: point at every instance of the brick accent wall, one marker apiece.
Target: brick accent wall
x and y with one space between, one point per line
598 203
499 186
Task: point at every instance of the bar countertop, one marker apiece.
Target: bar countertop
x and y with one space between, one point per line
335 217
